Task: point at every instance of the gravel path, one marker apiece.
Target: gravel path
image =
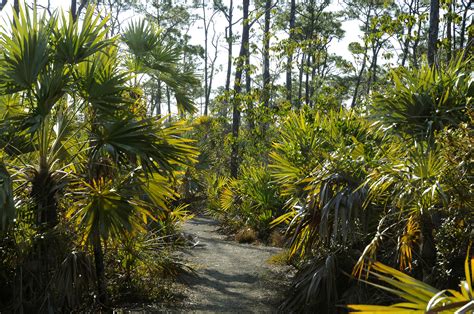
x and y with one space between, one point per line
231 277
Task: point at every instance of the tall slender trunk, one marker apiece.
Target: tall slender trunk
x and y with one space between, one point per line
229 46
311 52
313 82
74 10
433 31
158 98
206 74
248 89
417 40
102 294
234 157
364 62
462 33
359 80
300 79
230 40
16 6
449 36
266 56
168 101
289 64
406 43
306 84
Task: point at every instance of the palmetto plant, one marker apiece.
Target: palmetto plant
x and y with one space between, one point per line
321 169
419 297
415 182
427 100
73 141
253 200
320 162
151 56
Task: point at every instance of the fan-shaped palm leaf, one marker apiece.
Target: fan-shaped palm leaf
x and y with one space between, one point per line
26 51
102 83
160 60
77 40
157 148
418 296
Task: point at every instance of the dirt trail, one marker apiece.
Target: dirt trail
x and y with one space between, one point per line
231 277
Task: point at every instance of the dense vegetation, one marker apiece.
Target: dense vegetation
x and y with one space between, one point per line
361 169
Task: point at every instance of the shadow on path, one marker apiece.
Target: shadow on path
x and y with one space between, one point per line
230 277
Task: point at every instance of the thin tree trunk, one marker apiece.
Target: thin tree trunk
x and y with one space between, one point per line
289 64
433 31
463 24
266 55
230 40
229 47
234 162
158 98
364 63
300 79
449 36
214 42
100 273
16 6
248 89
74 10
306 84
168 100
417 40
206 74
311 88
359 80
406 43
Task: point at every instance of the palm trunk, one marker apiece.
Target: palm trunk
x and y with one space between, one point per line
102 295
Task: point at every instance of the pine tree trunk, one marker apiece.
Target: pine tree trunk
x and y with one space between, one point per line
289 64
234 162
74 10
266 55
206 70
229 47
433 31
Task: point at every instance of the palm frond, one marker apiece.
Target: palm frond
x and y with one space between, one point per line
26 51
77 40
157 148
418 296
102 83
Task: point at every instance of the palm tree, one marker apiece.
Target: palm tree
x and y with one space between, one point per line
74 138
151 56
